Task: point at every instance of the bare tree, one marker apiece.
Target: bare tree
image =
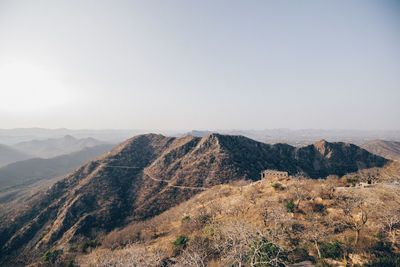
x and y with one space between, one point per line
196 254
355 214
389 217
299 190
130 256
243 243
315 231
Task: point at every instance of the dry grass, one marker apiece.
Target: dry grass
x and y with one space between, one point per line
321 215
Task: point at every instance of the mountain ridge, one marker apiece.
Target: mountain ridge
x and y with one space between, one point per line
98 197
9 155
38 168
54 147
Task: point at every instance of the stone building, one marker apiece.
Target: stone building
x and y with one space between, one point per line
268 174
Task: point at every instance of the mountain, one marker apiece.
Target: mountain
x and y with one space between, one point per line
28 171
9 155
17 135
304 137
149 174
386 149
56 146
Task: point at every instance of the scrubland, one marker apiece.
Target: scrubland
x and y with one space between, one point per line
330 222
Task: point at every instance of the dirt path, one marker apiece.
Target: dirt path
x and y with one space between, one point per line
169 183
145 172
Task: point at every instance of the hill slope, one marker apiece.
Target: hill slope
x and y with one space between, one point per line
28 171
149 174
56 146
9 155
386 149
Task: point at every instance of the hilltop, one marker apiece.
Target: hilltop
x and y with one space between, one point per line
149 174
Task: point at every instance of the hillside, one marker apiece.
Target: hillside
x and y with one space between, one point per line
234 224
386 149
9 155
149 174
28 171
53 147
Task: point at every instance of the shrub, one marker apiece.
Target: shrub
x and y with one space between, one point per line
353 180
277 186
203 218
318 207
70 263
185 218
263 251
73 248
212 229
90 244
181 240
332 250
299 254
52 255
289 206
387 261
180 244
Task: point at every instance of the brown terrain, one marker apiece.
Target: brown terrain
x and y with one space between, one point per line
386 149
149 174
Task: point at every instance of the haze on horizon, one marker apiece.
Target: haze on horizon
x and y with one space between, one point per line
200 64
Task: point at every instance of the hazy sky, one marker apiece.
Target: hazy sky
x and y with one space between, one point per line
200 64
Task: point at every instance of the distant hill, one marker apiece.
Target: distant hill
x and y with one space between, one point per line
304 137
149 174
386 149
9 155
31 170
56 146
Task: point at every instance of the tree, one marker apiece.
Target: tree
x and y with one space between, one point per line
355 214
389 217
299 190
241 243
196 253
316 231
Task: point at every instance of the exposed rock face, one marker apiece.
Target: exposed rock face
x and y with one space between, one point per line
148 174
386 149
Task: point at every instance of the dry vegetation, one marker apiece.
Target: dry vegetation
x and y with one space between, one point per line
328 222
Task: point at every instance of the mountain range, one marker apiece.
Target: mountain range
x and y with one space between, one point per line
149 174
53 147
293 137
31 170
9 155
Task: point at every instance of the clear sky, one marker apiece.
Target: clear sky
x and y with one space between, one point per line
209 64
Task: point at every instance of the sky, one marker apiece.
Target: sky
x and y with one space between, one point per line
210 64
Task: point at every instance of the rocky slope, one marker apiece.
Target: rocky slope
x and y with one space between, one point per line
386 149
149 174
